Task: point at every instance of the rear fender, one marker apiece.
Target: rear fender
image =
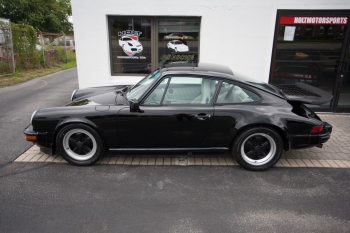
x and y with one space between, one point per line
281 130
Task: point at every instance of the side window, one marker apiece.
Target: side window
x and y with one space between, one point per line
156 96
231 94
190 90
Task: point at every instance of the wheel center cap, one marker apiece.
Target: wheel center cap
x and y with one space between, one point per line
79 144
257 148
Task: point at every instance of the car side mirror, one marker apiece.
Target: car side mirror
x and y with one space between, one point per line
135 106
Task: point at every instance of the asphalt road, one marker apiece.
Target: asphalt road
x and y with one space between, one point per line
39 197
18 102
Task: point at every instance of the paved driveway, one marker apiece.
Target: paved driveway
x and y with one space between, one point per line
18 102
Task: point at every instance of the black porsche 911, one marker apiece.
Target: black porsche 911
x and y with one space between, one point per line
189 108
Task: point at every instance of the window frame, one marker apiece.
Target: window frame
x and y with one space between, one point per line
332 106
240 86
170 76
154 39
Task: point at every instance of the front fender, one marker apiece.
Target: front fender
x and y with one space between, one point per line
75 120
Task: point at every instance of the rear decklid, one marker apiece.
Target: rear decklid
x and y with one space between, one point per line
304 93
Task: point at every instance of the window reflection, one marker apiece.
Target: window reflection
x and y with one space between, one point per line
308 53
177 35
130 39
344 97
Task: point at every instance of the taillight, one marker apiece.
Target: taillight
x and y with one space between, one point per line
317 129
310 76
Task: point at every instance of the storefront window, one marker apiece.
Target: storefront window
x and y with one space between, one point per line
177 35
344 95
134 51
130 42
308 49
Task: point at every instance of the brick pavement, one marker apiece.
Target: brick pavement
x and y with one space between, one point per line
334 154
337 147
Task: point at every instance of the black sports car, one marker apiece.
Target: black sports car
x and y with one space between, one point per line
185 107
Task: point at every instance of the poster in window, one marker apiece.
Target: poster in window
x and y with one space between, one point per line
289 33
176 36
130 45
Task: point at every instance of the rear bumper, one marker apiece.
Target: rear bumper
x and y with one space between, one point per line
311 140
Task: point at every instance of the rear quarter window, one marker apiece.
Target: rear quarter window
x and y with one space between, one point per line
233 94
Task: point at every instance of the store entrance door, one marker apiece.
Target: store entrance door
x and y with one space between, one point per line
342 96
313 47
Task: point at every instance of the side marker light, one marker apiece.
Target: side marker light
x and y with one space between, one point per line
31 137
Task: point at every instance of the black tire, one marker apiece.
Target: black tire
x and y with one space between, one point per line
257 148
79 144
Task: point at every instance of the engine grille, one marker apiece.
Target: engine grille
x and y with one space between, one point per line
293 90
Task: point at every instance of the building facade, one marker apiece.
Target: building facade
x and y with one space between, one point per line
272 41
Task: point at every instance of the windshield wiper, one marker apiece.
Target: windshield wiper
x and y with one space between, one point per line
124 91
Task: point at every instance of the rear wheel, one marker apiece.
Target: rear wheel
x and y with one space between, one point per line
79 144
257 148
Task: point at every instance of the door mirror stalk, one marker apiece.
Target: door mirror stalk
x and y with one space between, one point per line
135 106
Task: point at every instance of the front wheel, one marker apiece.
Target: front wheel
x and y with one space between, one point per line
257 148
79 144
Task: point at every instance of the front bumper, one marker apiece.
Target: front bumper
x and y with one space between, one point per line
311 140
39 138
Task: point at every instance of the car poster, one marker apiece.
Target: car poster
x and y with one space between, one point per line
130 44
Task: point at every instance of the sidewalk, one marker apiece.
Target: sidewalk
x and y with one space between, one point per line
335 153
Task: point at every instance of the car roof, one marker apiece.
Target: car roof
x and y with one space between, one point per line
210 69
197 67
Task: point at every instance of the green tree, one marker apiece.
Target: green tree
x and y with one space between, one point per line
46 15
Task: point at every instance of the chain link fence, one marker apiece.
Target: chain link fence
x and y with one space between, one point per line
22 48
7 62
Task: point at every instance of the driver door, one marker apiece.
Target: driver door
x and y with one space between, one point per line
176 114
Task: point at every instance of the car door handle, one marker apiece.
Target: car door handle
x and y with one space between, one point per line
202 116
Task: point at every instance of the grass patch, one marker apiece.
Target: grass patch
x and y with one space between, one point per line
25 75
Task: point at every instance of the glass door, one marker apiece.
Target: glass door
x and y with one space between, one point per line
343 91
309 47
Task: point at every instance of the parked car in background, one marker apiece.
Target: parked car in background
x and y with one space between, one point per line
177 36
143 69
294 72
67 42
185 107
178 46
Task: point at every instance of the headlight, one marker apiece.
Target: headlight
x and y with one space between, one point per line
31 119
73 93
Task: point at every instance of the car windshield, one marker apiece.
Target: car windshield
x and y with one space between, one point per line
137 90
